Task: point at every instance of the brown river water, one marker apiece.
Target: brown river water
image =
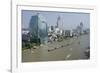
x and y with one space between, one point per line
68 49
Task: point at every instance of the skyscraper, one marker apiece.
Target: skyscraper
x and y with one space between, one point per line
59 23
38 29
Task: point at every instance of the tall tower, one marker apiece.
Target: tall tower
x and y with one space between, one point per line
81 26
59 22
38 29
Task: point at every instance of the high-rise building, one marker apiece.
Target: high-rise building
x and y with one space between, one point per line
38 29
80 28
59 23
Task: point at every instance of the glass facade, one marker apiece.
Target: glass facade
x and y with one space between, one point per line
38 29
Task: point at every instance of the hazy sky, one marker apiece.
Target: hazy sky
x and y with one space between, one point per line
70 19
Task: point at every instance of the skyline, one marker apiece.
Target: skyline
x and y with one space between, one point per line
70 19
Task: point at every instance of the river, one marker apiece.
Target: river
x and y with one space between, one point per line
68 49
